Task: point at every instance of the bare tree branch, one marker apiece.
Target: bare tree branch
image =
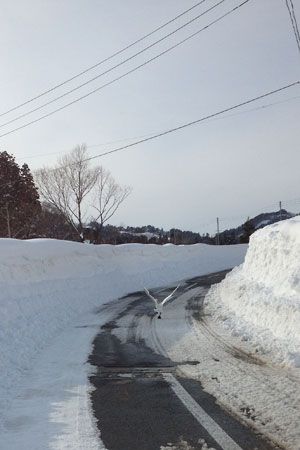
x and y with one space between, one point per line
70 185
67 185
109 196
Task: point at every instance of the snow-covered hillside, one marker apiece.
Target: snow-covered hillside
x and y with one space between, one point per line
260 300
46 284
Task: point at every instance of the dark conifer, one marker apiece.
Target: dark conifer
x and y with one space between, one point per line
19 199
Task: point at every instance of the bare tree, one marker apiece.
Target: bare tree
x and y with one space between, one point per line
73 184
67 185
109 196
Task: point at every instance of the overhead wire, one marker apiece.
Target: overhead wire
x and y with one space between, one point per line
227 116
257 108
297 36
126 73
188 124
118 52
202 119
121 63
91 146
291 11
295 19
194 122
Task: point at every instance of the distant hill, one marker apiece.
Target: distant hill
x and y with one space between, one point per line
149 234
234 235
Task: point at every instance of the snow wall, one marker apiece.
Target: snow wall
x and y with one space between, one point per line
260 300
45 284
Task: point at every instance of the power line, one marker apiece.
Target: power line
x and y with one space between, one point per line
188 124
205 118
194 122
295 19
126 73
103 60
291 11
89 146
257 108
202 119
76 88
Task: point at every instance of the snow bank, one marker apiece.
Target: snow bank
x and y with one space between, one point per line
45 284
260 300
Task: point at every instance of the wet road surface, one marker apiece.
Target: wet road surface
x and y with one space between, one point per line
141 401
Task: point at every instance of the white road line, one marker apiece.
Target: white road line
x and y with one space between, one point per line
215 431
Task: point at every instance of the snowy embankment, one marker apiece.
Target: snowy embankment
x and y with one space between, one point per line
260 300
46 284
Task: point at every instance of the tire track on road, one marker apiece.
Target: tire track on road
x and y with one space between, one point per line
135 389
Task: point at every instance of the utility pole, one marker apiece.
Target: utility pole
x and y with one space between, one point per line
280 216
218 232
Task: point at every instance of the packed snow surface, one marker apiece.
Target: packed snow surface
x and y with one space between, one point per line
48 288
260 299
263 396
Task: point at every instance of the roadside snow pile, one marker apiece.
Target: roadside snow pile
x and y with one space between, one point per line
45 284
260 300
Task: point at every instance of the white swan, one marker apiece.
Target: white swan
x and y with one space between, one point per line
159 306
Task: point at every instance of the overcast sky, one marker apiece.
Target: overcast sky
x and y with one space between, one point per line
232 167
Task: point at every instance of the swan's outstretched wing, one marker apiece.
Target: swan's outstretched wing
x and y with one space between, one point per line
169 296
150 296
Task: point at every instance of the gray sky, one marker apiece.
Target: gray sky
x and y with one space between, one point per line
231 167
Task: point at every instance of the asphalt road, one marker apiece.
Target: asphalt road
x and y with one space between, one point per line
142 402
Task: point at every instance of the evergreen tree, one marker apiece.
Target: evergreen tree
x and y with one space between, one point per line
19 199
248 229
